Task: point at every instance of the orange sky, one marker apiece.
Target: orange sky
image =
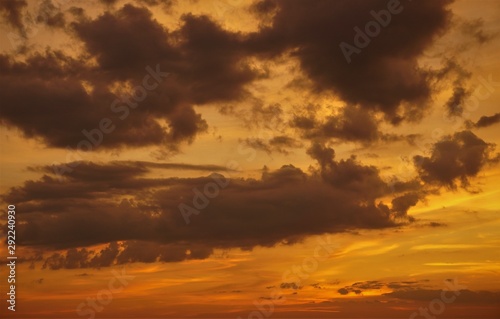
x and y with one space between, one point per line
254 86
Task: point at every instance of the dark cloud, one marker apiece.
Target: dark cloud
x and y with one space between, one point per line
125 41
127 252
475 29
117 202
108 2
12 13
313 31
50 14
455 105
350 124
55 97
460 76
402 284
348 174
343 291
166 4
62 100
208 64
358 287
278 144
58 108
120 176
216 71
401 204
435 224
454 158
486 121
125 167
258 115
289 285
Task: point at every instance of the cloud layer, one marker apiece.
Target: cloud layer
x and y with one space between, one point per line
118 202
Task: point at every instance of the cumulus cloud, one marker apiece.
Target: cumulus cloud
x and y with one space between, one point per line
401 204
123 41
455 158
348 174
350 124
312 32
118 202
128 45
61 100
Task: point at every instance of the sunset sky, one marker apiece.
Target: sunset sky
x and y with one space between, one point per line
251 159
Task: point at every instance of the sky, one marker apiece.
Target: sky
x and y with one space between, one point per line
251 158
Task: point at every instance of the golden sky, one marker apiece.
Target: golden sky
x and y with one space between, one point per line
251 159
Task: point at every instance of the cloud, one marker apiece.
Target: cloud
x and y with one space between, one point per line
454 158
289 285
166 4
385 76
132 52
50 14
456 102
486 121
350 124
120 176
365 181
125 41
119 169
461 91
108 2
343 291
117 202
475 29
358 287
401 204
126 252
39 107
279 144
12 12
417 290
122 42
